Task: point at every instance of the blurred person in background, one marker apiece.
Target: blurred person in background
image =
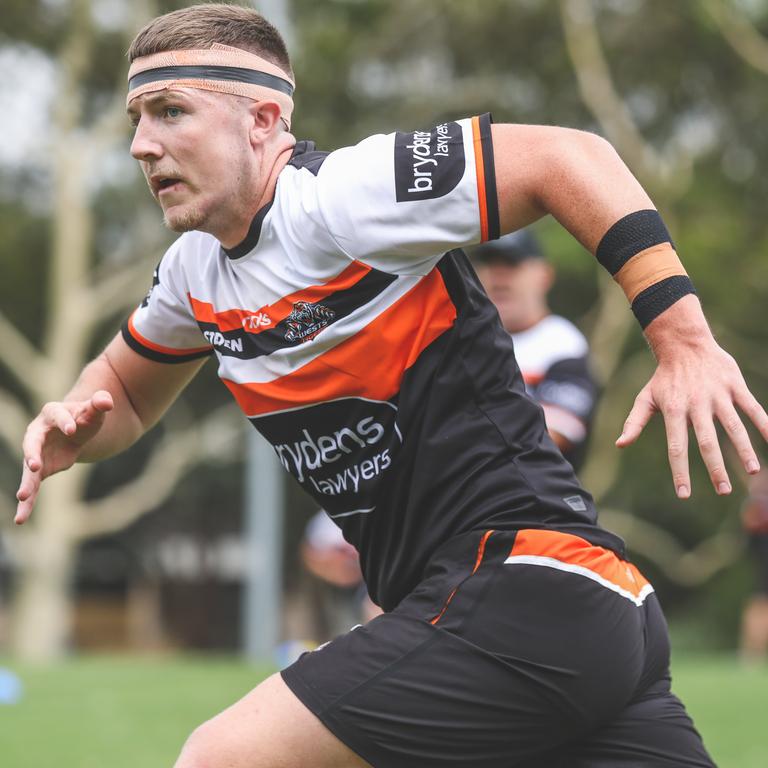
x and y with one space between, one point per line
754 627
339 598
552 353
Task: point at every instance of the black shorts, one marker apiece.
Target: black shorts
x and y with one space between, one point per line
532 649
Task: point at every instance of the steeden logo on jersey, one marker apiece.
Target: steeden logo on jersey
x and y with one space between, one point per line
307 320
428 164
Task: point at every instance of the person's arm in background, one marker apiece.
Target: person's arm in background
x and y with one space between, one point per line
754 510
568 394
560 440
579 179
116 399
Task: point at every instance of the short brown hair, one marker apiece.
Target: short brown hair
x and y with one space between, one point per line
200 26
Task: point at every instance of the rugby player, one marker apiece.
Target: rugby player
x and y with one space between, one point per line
358 341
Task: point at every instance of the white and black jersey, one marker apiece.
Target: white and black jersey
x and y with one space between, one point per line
553 357
360 344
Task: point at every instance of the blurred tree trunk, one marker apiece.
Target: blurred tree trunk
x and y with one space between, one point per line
41 607
41 618
79 301
664 179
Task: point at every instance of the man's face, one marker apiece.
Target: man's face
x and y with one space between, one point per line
519 291
195 151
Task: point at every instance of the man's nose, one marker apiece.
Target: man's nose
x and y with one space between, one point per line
145 145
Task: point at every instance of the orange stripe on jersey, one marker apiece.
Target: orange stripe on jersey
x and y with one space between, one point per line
572 553
532 378
480 170
145 342
370 364
235 319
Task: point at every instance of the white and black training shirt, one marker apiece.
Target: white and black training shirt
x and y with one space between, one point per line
361 345
553 357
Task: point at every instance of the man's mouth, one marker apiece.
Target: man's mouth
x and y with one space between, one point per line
162 184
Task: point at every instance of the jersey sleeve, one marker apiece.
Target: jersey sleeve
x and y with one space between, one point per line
163 328
399 201
568 395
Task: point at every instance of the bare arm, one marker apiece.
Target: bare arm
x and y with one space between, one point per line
580 180
575 176
117 398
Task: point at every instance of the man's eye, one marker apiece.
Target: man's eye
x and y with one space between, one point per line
173 112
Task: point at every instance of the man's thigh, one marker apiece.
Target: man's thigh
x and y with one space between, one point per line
268 728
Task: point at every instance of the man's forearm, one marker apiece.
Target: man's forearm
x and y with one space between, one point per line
122 425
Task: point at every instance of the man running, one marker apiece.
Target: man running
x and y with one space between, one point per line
359 342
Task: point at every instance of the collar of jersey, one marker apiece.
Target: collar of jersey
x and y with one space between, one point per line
254 231
252 238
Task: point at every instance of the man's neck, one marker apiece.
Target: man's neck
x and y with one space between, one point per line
274 159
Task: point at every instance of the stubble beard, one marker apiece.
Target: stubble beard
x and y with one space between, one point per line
186 221
233 206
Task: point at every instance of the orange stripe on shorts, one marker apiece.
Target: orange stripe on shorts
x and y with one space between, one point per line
572 554
478 563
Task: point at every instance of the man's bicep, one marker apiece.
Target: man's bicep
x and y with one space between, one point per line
150 386
519 167
574 175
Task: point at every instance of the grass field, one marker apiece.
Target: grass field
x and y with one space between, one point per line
112 712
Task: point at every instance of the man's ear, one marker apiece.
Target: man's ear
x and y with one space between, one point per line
265 120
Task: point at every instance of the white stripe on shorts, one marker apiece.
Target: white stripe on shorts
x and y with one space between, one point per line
551 562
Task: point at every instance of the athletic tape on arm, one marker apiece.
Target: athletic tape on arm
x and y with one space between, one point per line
638 252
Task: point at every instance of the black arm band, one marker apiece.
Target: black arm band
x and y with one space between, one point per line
661 296
630 235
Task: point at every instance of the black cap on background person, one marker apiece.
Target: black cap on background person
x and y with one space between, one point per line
511 249
516 277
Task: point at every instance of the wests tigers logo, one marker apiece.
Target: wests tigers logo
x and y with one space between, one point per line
307 320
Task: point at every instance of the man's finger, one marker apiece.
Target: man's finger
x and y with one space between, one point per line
56 415
93 409
32 447
638 417
749 405
26 495
24 511
102 401
709 447
739 437
29 484
676 426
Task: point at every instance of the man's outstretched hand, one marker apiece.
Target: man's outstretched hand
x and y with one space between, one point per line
698 385
53 442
